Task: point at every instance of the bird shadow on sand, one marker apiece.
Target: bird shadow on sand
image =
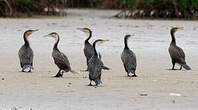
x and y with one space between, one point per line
25 72
128 77
94 86
172 69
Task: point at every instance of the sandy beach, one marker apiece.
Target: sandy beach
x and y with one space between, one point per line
155 88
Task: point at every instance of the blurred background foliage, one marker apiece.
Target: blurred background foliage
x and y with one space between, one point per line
130 8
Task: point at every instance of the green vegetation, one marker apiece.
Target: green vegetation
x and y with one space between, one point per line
25 1
186 4
187 9
29 7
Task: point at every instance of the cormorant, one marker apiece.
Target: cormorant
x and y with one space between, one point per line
60 59
95 65
176 53
128 58
88 48
26 53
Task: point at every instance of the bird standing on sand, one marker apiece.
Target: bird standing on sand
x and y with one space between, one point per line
176 53
60 59
88 48
95 65
128 58
26 53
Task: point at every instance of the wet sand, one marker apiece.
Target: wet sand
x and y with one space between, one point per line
155 88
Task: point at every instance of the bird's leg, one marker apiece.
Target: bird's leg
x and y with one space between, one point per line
134 75
173 62
23 69
59 74
62 73
90 83
128 74
181 67
30 70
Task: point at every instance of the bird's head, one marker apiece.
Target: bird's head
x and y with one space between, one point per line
100 41
85 30
128 36
29 32
53 35
175 29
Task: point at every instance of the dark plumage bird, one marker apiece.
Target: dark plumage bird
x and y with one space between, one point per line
60 59
176 53
88 48
26 53
128 58
95 65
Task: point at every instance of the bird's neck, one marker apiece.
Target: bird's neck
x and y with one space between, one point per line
95 52
173 38
126 43
26 40
90 34
56 43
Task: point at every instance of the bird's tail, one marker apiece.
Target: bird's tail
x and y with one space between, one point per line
98 81
185 66
74 72
105 68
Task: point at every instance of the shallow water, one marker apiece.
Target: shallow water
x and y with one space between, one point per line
150 35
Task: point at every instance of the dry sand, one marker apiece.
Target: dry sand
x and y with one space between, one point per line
151 90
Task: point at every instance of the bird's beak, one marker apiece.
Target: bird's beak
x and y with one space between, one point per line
35 30
46 35
132 35
101 42
32 32
81 29
105 40
181 28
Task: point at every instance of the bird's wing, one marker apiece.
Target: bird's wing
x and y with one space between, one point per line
61 60
88 50
31 56
129 60
25 56
95 67
178 54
